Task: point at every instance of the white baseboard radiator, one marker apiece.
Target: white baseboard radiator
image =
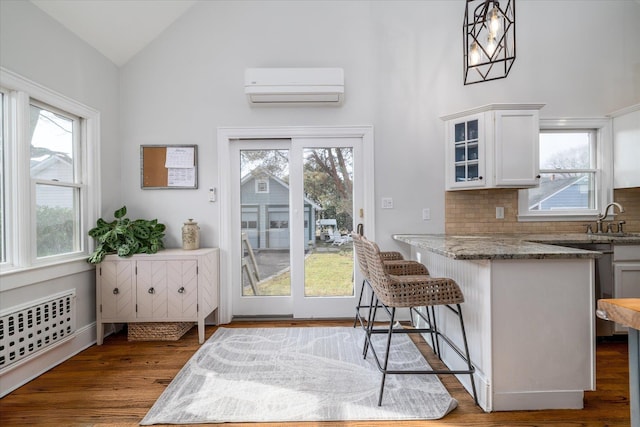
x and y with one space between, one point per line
28 329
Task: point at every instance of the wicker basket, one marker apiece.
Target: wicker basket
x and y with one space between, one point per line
157 331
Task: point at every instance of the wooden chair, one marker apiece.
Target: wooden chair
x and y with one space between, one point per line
412 291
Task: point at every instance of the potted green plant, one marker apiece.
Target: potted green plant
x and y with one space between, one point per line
125 237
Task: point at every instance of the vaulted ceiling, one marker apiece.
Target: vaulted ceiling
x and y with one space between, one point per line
117 28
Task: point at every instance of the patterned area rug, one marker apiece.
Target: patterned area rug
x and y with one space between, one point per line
297 374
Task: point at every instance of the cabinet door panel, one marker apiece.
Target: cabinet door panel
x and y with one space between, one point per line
151 295
465 153
208 277
117 290
516 148
626 149
183 288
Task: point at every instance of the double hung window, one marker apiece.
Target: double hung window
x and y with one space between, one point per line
49 179
55 176
574 172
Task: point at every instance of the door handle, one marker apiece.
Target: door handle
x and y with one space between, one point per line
181 290
152 291
116 291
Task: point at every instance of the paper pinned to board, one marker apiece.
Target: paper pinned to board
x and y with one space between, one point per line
181 177
180 157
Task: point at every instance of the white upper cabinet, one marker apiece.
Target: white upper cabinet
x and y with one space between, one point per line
494 146
626 147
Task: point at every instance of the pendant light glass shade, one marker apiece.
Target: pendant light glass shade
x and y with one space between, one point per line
489 37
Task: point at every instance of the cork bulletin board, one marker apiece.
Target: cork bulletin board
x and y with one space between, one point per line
168 166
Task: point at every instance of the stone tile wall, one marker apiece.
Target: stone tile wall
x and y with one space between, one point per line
474 212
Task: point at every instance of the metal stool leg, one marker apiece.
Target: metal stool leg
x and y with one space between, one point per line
434 328
370 321
355 320
386 356
432 332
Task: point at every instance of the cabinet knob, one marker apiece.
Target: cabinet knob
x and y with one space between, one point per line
181 290
116 291
152 291
480 178
538 176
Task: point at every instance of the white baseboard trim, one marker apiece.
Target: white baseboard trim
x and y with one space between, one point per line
568 399
29 368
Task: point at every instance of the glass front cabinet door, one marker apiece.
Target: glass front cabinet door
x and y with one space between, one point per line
493 146
466 153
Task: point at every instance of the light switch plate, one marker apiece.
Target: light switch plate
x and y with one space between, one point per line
387 203
499 212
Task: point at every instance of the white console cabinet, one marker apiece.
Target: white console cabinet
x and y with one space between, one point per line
172 285
494 146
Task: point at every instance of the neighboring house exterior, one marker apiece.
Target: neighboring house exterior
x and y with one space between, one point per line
52 167
564 193
265 211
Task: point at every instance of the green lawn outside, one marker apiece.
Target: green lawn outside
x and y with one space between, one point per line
326 274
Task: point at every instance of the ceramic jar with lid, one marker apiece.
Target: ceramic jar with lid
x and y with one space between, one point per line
190 235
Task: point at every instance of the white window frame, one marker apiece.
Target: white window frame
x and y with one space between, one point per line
6 165
22 268
603 176
75 184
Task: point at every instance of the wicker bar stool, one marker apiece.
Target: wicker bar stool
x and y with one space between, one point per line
392 292
394 263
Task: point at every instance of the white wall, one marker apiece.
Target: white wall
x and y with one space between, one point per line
39 49
403 68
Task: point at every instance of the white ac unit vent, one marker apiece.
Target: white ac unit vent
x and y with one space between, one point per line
294 85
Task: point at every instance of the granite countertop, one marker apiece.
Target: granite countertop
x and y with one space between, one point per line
512 246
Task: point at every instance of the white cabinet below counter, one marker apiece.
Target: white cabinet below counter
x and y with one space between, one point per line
626 274
525 304
173 285
494 146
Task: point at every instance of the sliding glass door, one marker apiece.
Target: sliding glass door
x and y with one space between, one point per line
294 212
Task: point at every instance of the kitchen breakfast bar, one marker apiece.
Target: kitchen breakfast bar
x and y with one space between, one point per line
529 315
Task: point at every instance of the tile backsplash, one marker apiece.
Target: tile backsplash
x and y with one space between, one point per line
474 212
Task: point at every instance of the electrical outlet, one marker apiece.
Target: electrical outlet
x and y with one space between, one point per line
426 214
387 203
499 212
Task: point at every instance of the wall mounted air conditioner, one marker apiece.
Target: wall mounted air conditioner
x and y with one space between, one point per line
294 85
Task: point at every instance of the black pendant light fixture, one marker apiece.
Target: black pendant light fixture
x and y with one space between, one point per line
489 37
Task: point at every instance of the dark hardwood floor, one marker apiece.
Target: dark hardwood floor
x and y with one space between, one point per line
116 384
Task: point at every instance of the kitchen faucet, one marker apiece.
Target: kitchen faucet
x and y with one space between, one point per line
604 215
